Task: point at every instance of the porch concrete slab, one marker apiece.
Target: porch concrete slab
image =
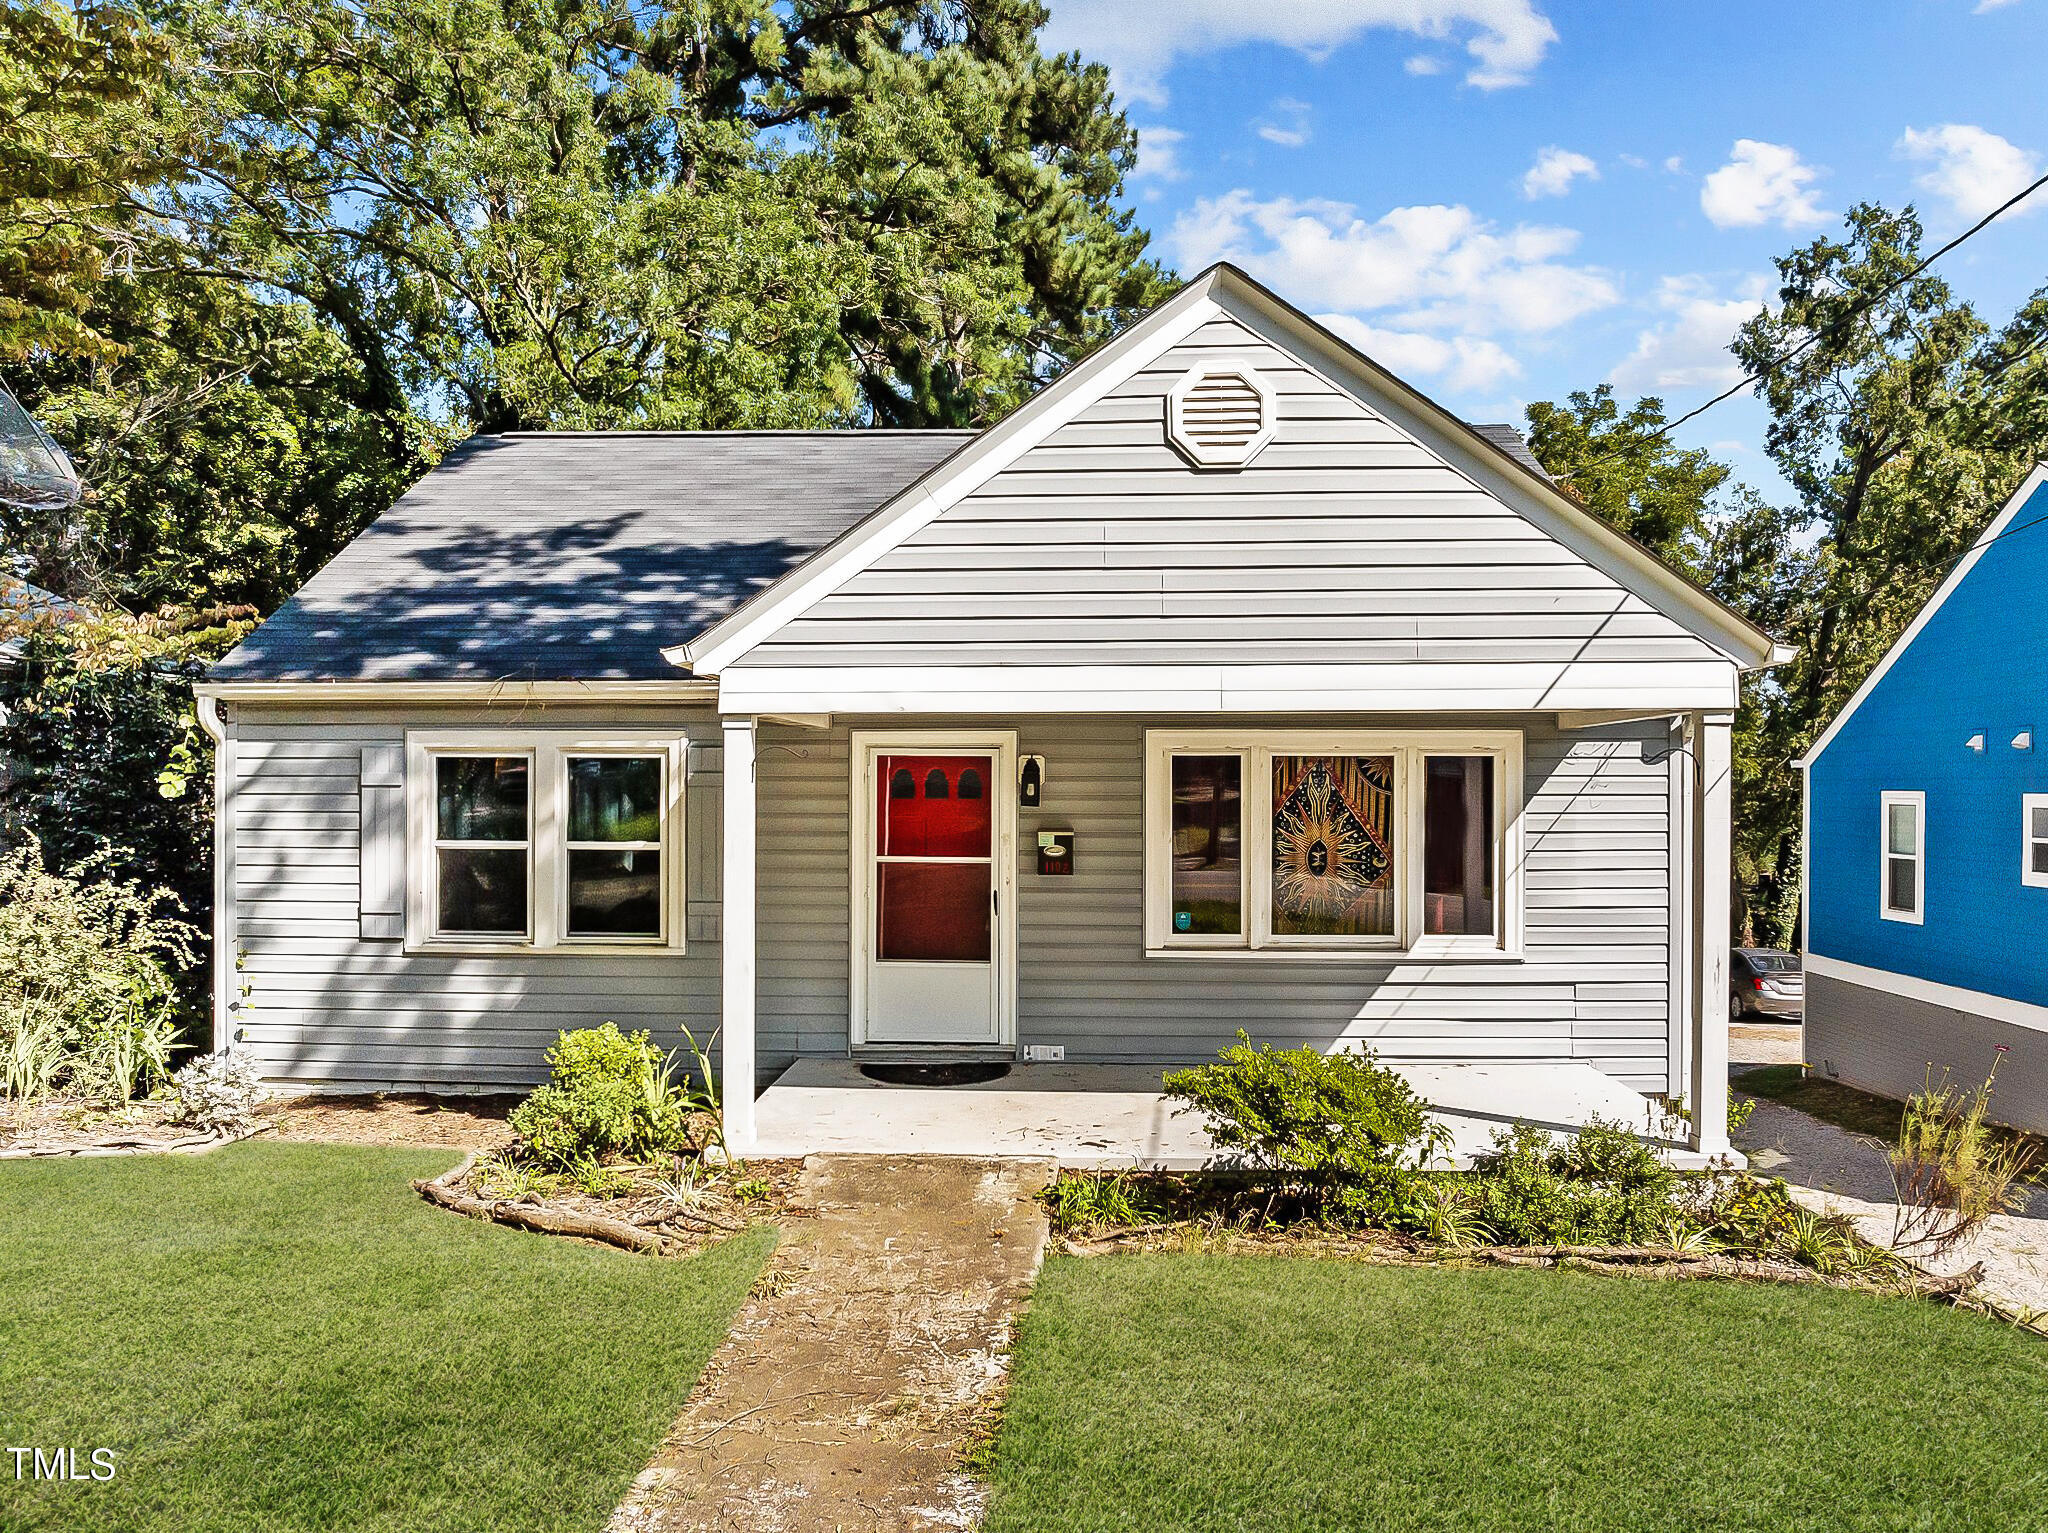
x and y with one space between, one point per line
1111 1117
1085 1117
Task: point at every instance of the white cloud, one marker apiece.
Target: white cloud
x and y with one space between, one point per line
1554 171
1689 348
1506 39
1464 362
1972 169
1423 64
1674 164
1634 161
1287 125
1437 267
1159 155
1762 184
1990 5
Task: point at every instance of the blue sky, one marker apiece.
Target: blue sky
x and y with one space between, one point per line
1503 200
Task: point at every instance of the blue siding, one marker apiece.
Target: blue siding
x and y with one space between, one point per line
1981 663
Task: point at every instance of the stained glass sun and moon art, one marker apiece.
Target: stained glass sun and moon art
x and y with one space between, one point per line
1333 856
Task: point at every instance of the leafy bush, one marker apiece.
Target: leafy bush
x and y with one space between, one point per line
1601 1186
1340 1126
608 1093
88 1001
218 1091
106 756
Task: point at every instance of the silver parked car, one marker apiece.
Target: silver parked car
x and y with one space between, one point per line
1764 982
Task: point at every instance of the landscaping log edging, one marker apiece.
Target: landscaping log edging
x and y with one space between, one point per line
191 1144
445 1191
1648 1262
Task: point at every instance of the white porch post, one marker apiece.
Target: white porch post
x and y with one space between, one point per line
1712 810
736 947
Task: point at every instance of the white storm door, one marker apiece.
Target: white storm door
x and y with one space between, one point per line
931 939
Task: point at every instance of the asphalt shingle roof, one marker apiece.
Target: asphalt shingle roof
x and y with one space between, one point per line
1511 441
577 556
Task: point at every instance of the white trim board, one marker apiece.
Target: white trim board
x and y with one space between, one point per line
1393 687
683 689
1979 1003
1904 642
1224 292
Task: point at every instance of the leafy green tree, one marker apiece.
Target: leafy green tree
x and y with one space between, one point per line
1902 421
1621 466
229 444
730 213
71 158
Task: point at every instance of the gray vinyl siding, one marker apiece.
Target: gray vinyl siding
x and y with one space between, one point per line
1888 1043
1345 540
323 1007
1593 987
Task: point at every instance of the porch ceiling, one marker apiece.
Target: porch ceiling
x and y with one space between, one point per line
1105 1117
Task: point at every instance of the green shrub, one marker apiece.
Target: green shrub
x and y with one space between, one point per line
1341 1127
88 998
1601 1186
608 1093
1080 1201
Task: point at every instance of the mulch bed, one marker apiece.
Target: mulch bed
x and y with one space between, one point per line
393 1118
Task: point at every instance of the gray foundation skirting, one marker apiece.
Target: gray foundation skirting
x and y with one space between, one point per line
1886 1043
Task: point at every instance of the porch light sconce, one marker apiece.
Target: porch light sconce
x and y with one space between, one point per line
1030 782
2023 741
1975 743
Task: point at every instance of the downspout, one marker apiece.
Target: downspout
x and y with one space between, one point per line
219 724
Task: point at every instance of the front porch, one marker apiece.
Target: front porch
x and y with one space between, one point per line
1109 1117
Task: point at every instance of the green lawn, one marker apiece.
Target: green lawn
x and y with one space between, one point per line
1258 1393
285 1337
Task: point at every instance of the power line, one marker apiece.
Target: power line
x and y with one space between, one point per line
1813 340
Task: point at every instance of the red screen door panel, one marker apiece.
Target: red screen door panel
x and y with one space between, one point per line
934 839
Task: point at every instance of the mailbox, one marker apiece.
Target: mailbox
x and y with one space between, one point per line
1055 851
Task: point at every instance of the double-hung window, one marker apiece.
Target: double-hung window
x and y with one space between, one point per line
1333 841
2034 840
544 841
1902 870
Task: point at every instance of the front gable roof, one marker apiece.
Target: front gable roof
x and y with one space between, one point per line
1484 460
2000 526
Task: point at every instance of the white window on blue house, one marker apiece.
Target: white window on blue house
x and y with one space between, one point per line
2034 840
1903 875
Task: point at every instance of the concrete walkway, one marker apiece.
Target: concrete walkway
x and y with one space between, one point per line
1835 1171
866 1357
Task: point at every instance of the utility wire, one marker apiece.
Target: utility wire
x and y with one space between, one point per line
1813 340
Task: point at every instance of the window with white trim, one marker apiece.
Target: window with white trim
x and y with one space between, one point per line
570 842
1333 841
1902 873
2034 840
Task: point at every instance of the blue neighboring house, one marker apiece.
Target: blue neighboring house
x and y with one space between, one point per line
1927 836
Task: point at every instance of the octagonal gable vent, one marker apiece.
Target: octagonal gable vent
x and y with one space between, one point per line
1219 417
